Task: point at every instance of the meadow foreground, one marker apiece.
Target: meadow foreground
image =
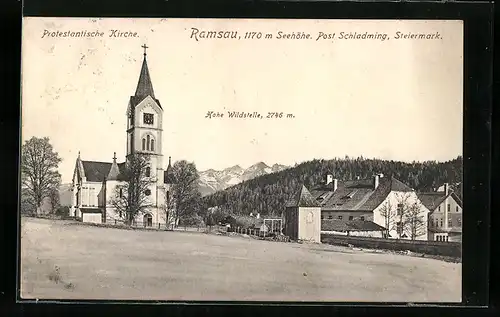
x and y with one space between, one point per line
61 260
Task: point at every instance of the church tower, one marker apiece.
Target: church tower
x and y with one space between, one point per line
144 130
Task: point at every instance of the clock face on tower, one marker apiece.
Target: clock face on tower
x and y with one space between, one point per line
148 118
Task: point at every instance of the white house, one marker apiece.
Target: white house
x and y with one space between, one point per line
96 184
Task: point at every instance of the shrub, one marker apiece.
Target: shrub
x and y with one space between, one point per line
192 220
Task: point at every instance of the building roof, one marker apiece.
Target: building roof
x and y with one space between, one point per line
431 200
349 225
98 171
168 174
302 198
144 86
357 194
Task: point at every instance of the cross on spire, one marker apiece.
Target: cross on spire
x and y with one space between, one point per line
144 47
114 155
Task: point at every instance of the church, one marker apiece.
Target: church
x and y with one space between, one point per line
96 184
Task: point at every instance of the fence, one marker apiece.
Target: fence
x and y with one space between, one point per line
276 235
451 249
155 226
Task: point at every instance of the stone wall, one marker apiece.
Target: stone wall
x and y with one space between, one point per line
452 249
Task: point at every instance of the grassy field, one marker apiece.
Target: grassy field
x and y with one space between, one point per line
61 260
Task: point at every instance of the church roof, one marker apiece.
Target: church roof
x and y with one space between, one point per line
144 86
98 171
302 198
168 175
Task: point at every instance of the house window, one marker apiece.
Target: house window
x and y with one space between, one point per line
456 208
322 217
351 217
330 217
148 140
446 238
144 144
362 218
441 222
450 223
400 209
439 208
148 171
449 207
148 118
459 222
340 217
152 145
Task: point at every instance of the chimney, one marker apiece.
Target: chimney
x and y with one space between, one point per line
335 184
446 189
376 180
329 178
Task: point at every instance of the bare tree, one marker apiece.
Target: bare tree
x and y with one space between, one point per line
403 203
388 212
132 198
39 175
414 220
169 209
185 190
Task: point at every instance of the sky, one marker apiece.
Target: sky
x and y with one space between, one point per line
398 99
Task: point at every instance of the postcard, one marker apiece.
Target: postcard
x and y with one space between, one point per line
241 160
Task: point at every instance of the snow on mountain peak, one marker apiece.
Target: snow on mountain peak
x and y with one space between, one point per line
212 180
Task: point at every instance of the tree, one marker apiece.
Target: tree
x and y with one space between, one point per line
185 190
169 210
39 175
132 198
414 220
55 200
389 214
403 203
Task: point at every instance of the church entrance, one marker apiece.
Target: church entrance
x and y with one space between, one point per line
148 220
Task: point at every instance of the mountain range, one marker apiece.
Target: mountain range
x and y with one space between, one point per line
211 180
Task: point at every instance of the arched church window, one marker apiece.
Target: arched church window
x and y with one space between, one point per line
143 144
148 171
147 142
152 144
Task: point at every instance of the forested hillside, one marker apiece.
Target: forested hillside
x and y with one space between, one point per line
268 194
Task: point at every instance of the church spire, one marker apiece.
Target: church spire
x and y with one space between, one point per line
144 86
